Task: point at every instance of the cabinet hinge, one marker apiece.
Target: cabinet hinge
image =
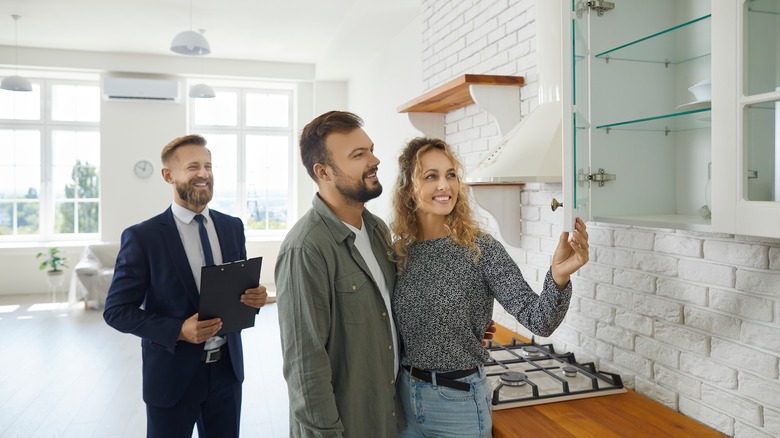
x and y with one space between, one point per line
600 177
601 6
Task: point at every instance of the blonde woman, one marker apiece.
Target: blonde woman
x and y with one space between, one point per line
449 273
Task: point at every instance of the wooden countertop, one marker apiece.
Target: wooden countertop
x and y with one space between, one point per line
620 415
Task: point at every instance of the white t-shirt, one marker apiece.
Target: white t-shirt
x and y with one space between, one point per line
363 245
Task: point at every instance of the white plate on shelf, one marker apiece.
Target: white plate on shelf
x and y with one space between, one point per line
698 104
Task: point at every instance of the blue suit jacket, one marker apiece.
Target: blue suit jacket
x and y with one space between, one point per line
153 292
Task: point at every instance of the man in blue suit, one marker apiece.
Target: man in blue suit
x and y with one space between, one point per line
190 376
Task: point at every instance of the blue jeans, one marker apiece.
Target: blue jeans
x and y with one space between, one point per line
438 411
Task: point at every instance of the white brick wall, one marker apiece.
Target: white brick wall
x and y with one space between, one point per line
744 431
763 364
682 338
681 291
677 381
772 421
612 256
678 245
740 254
657 352
715 419
740 304
613 335
689 319
762 336
650 389
759 389
703 272
740 407
634 322
633 280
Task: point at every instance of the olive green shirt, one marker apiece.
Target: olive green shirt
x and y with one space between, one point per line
337 342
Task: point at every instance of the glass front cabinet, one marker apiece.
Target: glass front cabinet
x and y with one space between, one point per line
669 114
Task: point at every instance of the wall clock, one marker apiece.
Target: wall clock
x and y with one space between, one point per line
143 168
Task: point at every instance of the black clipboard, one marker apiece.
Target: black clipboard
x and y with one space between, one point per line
221 287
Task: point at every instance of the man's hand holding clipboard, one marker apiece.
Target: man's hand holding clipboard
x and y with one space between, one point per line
255 297
232 293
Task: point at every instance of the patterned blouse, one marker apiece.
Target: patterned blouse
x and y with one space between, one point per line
443 302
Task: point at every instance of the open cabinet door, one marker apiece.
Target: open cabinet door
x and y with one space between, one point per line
575 96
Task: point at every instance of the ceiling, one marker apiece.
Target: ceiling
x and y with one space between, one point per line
333 34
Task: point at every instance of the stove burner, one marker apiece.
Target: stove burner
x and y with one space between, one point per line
512 378
531 351
525 374
569 371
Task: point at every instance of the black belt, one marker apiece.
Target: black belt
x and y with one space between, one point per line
443 379
211 356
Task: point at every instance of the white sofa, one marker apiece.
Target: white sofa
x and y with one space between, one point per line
92 275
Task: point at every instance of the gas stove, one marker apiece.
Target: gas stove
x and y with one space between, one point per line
525 374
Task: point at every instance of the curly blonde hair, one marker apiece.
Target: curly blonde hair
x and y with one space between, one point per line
463 229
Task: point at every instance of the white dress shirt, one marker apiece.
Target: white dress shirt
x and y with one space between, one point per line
190 238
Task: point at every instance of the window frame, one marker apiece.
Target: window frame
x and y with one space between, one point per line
241 132
45 125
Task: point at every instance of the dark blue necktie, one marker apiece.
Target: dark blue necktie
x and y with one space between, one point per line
204 240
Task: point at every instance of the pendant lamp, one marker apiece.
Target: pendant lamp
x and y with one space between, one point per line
190 42
16 82
202 91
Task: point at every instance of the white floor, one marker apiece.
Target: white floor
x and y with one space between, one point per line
65 373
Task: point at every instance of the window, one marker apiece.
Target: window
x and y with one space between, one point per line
250 135
50 161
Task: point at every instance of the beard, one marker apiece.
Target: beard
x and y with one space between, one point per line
357 191
194 196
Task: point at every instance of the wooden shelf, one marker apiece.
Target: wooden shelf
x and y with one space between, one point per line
455 94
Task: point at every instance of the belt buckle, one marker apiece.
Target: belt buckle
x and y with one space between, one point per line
213 355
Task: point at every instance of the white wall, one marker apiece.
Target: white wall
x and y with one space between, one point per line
387 80
19 270
133 130
691 320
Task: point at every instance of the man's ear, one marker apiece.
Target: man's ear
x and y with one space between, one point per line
321 171
166 174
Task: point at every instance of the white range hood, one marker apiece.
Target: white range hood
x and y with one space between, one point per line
531 151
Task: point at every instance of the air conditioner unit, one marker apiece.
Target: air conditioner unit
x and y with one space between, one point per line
141 89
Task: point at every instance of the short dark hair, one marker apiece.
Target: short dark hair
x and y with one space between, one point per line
313 137
170 148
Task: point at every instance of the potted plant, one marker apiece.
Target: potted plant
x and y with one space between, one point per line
54 261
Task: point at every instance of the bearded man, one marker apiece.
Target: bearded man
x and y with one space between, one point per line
334 278
190 375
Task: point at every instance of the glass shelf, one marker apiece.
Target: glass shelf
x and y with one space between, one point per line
674 122
663 47
765 6
764 105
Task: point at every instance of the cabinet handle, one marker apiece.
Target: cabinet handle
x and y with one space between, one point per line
555 204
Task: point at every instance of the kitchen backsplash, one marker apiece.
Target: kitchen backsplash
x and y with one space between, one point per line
691 320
